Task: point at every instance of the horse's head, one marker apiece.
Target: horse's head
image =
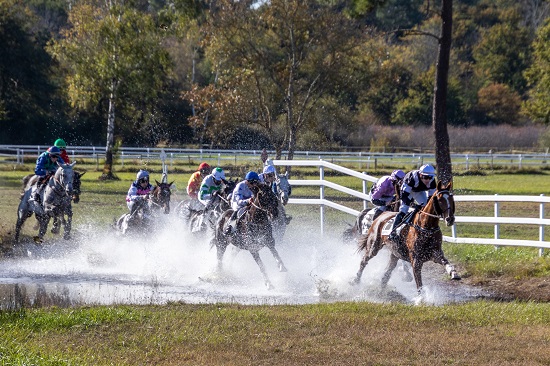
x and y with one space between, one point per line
444 203
161 195
76 186
283 188
64 176
267 200
229 186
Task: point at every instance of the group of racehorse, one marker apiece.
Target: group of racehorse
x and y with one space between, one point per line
419 241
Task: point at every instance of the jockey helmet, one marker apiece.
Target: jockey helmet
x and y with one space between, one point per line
142 174
252 177
54 151
269 169
218 174
60 143
397 174
204 166
427 169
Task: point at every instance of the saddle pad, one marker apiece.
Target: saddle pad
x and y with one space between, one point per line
386 230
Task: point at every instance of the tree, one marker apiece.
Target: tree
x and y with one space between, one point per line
538 76
274 62
113 56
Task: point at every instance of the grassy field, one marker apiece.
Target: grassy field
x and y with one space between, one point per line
477 333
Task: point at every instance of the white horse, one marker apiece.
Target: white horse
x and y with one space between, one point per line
284 191
56 200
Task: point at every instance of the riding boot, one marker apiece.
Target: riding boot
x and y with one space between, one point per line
397 221
231 224
39 188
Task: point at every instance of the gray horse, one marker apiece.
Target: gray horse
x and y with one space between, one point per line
283 194
56 200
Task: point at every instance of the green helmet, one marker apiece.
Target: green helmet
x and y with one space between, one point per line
60 143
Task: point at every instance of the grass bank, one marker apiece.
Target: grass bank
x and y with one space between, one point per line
480 333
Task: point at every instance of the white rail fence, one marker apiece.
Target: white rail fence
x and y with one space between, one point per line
16 154
496 220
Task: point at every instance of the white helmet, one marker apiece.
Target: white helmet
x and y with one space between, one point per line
427 169
269 169
218 174
142 174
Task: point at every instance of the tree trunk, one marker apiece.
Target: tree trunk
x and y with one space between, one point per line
108 167
439 114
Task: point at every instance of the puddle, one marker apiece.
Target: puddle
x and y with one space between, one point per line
177 267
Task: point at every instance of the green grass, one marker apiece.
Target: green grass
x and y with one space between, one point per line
221 334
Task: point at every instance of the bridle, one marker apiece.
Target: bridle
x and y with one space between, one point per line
440 213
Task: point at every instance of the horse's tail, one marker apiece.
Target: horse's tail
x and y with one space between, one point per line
362 242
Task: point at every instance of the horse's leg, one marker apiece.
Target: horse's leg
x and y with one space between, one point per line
44 221
389 269
221 246
417 273
372 246
439 258
67 224
56 225
258 260
22 217
271 245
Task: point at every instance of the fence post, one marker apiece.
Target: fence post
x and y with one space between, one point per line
365 190
122 159
219 155
467 162
322 196
541 227
497 226
520 159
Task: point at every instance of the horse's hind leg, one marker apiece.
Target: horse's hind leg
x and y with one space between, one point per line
439 258
258 260
67 224
389 269
371 249
43 220
280 264
417 272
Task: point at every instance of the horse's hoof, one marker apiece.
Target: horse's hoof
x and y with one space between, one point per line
455 276
269 285
38 240
354 282
55 230
282 268
66 237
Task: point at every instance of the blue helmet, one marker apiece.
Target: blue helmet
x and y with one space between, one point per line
142 174
252 177
54 151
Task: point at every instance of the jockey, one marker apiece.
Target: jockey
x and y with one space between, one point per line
418 185
194 184
268 177
211 186
60 143
384 191
242 197
139 191
46 165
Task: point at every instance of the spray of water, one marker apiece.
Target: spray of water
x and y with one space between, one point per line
172 265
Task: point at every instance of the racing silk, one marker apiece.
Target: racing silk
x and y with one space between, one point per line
383 191
208 187
241 195
412 184
194 184
45 165
136 190
65 156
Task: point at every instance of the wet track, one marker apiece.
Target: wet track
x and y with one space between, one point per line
177 267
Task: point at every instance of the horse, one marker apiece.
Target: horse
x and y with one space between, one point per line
160 196
142 220
419 241
200 219
253 231
283 194
57 199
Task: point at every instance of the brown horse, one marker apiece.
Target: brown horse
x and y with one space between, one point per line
253 231
419 240
160 196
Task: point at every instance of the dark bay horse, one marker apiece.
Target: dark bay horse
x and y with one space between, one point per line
160 196
57 199
253 231
419 240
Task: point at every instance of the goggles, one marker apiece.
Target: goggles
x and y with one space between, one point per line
425 177
143 180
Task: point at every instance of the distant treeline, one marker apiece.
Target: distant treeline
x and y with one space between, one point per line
252 74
